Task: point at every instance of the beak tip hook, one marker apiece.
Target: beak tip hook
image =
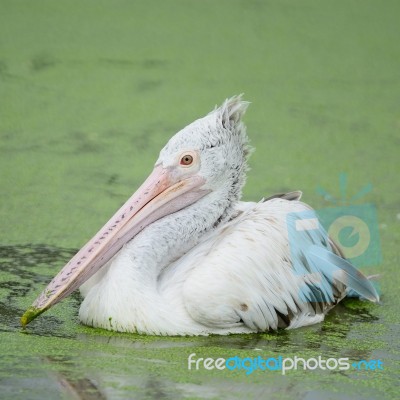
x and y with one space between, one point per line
30 314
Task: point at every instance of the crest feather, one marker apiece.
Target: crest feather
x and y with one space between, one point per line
231 111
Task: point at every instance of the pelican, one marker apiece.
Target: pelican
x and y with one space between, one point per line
184 256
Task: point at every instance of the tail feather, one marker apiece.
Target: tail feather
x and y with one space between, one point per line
336 268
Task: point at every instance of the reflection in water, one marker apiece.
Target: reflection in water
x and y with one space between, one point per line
115 365
73 386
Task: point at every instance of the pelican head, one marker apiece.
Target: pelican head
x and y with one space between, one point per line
214 148
208 157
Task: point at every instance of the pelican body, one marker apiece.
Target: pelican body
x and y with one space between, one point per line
184 256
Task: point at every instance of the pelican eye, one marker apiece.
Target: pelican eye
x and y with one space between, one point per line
187 159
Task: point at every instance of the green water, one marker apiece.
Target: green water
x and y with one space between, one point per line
89 93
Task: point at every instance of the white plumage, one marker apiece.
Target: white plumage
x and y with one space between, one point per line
184 256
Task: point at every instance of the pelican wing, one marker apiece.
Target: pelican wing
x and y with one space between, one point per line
296 195
268 268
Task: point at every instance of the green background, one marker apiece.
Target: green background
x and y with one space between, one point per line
90 91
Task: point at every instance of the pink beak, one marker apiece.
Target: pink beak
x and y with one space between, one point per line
158 196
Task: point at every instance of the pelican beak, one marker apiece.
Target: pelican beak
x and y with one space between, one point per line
161 194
